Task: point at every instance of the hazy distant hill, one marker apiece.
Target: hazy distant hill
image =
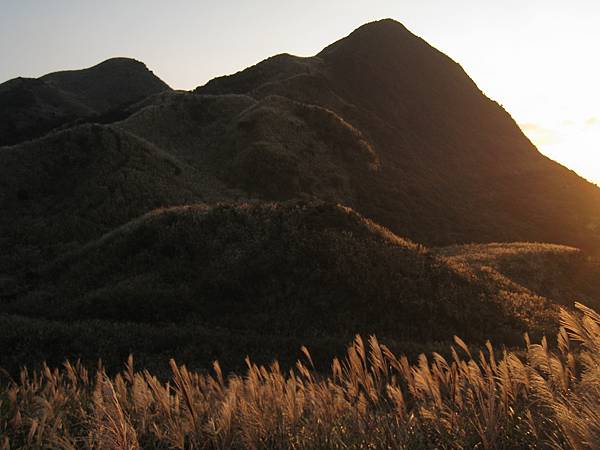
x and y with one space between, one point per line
105 225
31 107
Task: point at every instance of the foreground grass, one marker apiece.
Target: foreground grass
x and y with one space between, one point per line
371 399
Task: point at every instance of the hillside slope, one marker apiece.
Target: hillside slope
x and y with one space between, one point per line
298 272
379 121
114 226
273 148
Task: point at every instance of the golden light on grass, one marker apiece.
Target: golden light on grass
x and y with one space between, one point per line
542 397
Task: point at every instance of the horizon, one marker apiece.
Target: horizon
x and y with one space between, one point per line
522 69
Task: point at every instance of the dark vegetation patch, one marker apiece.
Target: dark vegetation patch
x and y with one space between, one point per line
73 186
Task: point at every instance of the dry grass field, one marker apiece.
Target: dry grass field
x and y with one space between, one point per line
543 397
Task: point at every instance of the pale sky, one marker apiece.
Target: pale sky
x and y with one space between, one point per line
538 58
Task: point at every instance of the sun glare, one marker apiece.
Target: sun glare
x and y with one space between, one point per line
575 144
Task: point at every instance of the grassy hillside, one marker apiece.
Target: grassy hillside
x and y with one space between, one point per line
158 232
561 274
61 191
295 272
274 148
177 148
439 169
372 398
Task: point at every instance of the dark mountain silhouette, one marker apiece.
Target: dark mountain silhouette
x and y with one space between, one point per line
95 233
111 84
31 107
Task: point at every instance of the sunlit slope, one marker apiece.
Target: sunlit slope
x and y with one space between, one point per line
545 396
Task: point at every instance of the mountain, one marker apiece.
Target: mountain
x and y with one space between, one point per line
379 121
280 206
31 107
453 166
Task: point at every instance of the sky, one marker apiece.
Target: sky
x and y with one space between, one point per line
537 58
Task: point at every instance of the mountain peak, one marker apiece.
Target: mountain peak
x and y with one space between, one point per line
121 62
381 26
114 68
31 107
112 83
372 35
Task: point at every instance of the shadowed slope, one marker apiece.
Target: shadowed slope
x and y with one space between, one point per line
274 148
30 107
114 83
71 186
379 121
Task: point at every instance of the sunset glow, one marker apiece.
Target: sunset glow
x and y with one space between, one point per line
574 143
